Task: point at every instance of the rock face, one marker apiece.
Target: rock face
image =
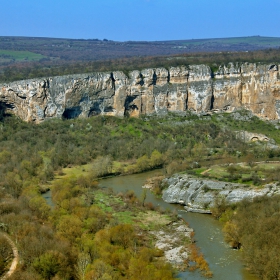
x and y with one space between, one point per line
251 137
150 91
200 194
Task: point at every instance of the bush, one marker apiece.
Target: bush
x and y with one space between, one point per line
219 207
150 206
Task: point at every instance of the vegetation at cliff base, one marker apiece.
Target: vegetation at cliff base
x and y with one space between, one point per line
92 233
175 142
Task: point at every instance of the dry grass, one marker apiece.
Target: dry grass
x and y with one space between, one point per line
153 219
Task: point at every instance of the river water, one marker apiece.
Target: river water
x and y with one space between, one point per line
224 262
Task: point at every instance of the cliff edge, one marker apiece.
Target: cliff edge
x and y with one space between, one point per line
157 91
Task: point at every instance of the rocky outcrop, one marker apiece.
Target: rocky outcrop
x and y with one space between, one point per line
200 194
171 239
252 137
150 91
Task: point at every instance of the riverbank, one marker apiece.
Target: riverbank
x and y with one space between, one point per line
158 228
171 235
208 232
174 241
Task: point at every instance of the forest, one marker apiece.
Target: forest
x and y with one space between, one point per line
79 238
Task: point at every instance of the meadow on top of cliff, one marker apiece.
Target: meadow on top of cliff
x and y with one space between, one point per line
30 57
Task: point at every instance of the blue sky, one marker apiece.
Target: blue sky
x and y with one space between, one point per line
140 20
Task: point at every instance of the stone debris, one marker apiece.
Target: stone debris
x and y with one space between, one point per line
174 243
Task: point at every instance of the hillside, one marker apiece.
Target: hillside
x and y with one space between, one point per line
16 49
29 57
82 227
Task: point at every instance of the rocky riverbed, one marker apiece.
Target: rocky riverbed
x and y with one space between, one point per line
174 240
199 195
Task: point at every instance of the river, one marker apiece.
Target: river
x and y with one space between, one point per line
224 262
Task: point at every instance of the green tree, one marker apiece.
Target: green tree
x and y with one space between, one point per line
70 227
50 264
13 184
143 163
156 159
123 235
102 166
143 196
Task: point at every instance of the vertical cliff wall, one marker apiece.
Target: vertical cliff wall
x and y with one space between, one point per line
150 91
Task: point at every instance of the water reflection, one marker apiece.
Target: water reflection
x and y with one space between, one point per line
48 197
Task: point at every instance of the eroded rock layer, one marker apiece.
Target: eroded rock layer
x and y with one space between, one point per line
200 194
150 91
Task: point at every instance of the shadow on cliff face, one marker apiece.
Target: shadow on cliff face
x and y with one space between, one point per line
72 113
129 105
99 108
212 102
4 110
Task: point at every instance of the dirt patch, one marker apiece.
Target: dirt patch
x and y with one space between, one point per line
206 171
15 259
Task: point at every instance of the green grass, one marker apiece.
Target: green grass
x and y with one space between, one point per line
269 166
217 172
221 172
20 55
152 220
104 201
198 171
125 217
126 129
76 170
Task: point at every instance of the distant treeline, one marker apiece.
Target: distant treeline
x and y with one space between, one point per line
47 67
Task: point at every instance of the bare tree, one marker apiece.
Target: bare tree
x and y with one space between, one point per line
82 263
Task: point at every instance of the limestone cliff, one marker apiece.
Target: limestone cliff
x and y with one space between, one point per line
150 91
200 194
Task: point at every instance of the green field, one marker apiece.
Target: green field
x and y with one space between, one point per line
20 55
246 173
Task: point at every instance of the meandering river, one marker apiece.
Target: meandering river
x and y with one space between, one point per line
224 262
